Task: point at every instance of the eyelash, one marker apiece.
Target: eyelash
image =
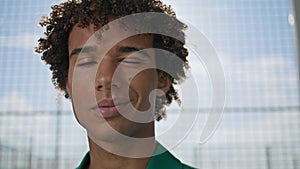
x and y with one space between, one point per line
131 61
87 63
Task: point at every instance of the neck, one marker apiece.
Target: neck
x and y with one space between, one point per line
101 158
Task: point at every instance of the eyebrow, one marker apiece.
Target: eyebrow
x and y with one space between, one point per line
85 49
130 49
123 49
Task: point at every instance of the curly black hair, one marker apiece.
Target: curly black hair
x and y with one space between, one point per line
58 25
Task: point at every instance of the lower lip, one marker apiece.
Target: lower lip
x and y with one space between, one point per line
108 112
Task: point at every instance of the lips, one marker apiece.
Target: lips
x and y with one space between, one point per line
108 108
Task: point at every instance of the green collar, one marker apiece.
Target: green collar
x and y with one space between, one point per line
162 161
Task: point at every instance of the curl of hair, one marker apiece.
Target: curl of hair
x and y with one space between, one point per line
58 25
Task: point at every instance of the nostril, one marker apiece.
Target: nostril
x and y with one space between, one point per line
99 86
107 86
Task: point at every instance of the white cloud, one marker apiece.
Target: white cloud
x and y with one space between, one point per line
15 101
33 127
259 129
262 81
25 41
192 9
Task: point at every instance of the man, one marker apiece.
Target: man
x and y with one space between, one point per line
110 67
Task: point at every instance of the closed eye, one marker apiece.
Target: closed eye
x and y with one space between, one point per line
87 61
131 49
132 61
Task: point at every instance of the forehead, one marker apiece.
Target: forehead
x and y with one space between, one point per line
79 37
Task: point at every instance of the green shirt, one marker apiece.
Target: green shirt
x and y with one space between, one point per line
162 161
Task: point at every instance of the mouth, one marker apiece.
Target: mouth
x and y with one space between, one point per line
109 108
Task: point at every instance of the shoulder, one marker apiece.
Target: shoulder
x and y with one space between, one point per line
165 159
84 164
184 166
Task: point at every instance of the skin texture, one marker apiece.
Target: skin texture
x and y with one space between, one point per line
102 87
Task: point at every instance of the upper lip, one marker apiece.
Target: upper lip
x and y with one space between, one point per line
110 102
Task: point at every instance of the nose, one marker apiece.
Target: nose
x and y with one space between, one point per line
105 74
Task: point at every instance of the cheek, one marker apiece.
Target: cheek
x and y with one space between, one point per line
142 85
145 82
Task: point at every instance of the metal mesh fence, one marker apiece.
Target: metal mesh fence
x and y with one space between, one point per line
256 43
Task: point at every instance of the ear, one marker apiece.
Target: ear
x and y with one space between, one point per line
68 87
164 83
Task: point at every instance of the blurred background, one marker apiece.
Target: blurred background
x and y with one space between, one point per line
256 41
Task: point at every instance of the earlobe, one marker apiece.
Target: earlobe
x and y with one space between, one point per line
164 82
68 89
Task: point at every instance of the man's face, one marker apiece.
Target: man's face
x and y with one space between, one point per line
104 86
